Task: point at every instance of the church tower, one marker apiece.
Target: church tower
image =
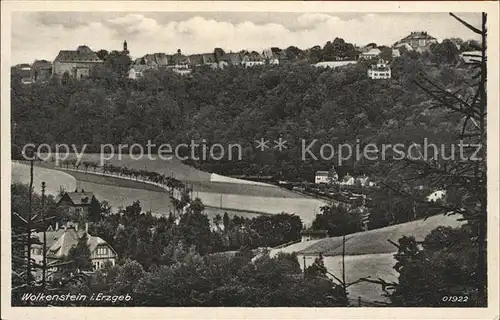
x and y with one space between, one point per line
125 49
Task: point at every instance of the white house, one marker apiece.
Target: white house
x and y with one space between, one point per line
373 53
348 180
136 72
248 61
437 195
322 177
379 71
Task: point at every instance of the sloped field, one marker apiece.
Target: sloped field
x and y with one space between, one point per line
368 254
376 241
54 180
304 208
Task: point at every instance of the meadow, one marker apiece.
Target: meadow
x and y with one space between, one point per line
54 180
305 208
376 241
368 253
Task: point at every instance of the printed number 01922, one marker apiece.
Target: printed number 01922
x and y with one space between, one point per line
455 298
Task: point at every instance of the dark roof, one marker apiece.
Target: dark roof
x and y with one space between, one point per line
179 58
196 59
208 57
78 198
420 35
322 173
22 65
82 53
234 58
61 241
42 64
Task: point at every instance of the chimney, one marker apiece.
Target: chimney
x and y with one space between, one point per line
57 226
86 227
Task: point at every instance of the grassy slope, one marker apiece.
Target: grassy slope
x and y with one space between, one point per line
53 179
368 253
376 241
368 265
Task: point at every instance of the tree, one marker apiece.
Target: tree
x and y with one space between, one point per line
94 210
465 177
226 221
80 255
102 54
443 268
445 52
338 220
217 220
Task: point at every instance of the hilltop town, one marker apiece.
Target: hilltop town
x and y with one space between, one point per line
84 62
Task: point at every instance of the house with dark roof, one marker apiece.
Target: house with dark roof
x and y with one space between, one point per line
59 242
208 58
151 61
419 41
77 63
78 202
24 72
42 70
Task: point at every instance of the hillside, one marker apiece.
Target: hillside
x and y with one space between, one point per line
372 241
368 254
54 180
240 106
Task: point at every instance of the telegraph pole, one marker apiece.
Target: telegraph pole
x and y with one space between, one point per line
28 224
44 252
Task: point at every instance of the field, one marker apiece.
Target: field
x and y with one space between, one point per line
54 180
376 241
304 208
367 253
234 194
199 180
120 197
112 181
119 193
369 265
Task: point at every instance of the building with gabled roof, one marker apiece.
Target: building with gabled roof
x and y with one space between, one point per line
42 70
372 53
380 70
60 241
77 63
78 202
419 41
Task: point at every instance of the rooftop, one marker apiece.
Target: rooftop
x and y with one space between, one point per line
78 198
82 53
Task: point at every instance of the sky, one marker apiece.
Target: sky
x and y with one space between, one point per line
40 35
